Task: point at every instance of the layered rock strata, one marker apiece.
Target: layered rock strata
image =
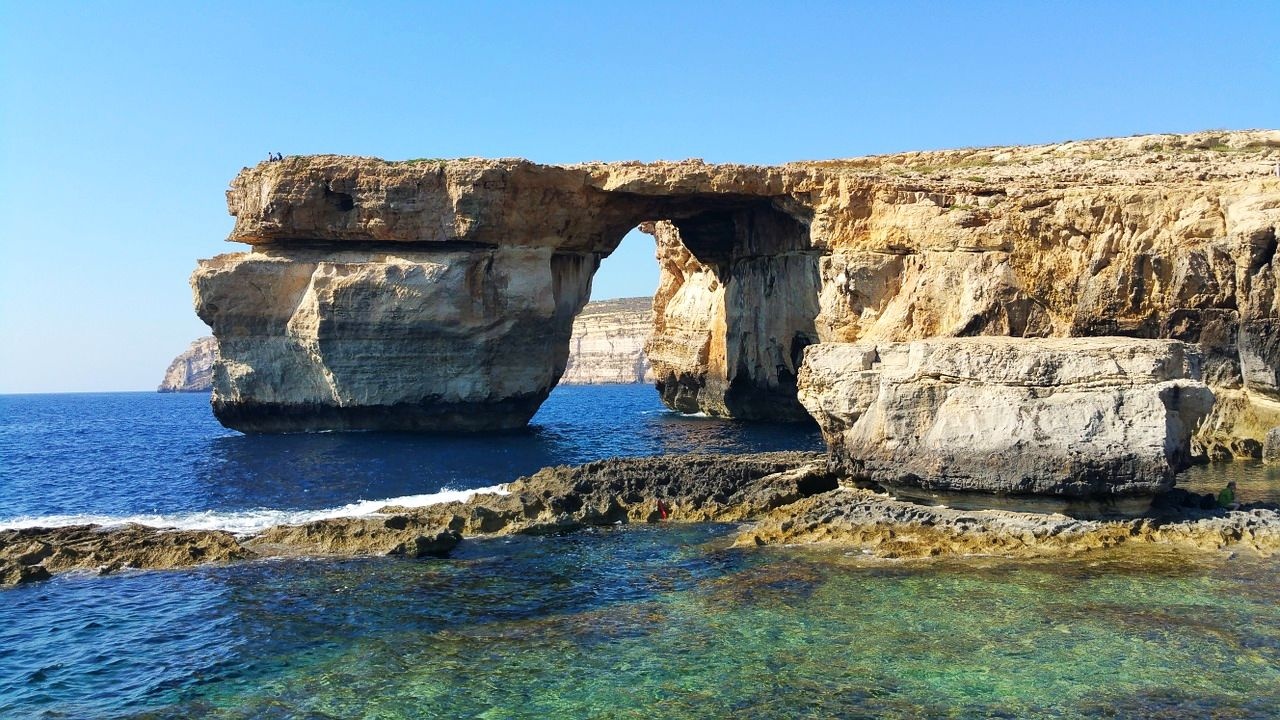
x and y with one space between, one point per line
790 498
882 526
314 338
192 371
607 343
439 294
1065 417
605 346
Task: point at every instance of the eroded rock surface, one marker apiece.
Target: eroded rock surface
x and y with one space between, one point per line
882 526
410 536
192 371
1068 417
606 346
791 497
699 487
689 487
36 553
1271 452
433 294
607 343
325 339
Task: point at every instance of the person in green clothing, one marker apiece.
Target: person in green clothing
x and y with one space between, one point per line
1227 498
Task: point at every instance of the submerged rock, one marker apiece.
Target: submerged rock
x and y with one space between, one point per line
1067 417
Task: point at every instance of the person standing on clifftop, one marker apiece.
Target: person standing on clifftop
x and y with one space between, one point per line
1227 498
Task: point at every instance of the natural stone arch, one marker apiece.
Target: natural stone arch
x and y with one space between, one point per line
440 295
734 310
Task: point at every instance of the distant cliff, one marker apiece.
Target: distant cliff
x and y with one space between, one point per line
192 371
607 346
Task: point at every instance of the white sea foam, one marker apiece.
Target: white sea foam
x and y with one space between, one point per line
247 521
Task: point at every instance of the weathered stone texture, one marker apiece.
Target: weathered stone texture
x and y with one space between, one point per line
607 343
606 346
192 371
1073 417
1271 452
1148 237
361 339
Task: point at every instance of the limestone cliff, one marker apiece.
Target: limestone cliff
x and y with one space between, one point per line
439 295
192 371
606 346
1066 417
607 343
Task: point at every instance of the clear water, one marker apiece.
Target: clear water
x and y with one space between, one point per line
127 454
1255 482
654 621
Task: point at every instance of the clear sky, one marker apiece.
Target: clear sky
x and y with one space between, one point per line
121 123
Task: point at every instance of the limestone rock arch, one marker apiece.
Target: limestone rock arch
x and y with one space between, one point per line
439 295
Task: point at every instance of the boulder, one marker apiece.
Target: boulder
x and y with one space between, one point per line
1271 451
1065 417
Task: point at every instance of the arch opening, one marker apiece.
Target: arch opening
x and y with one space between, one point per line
734 308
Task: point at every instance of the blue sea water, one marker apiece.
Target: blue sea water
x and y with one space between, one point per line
116 455
653 621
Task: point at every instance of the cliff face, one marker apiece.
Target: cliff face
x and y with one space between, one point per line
1065 417
192 371
434 294
607 343
606 346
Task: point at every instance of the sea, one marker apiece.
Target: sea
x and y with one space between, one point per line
652 621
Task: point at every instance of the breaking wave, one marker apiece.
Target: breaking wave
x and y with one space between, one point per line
245 522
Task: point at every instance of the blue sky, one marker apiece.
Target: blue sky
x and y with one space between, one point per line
121 123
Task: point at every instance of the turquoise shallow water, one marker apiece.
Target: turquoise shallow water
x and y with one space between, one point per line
655 621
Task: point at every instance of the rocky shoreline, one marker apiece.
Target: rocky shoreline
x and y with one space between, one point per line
780 498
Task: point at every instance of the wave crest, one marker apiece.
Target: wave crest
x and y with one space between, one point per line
247 522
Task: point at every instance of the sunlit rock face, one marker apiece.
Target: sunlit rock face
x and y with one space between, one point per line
1271 448
361 339
732 321
192 371
1069 417
607 344
379 270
